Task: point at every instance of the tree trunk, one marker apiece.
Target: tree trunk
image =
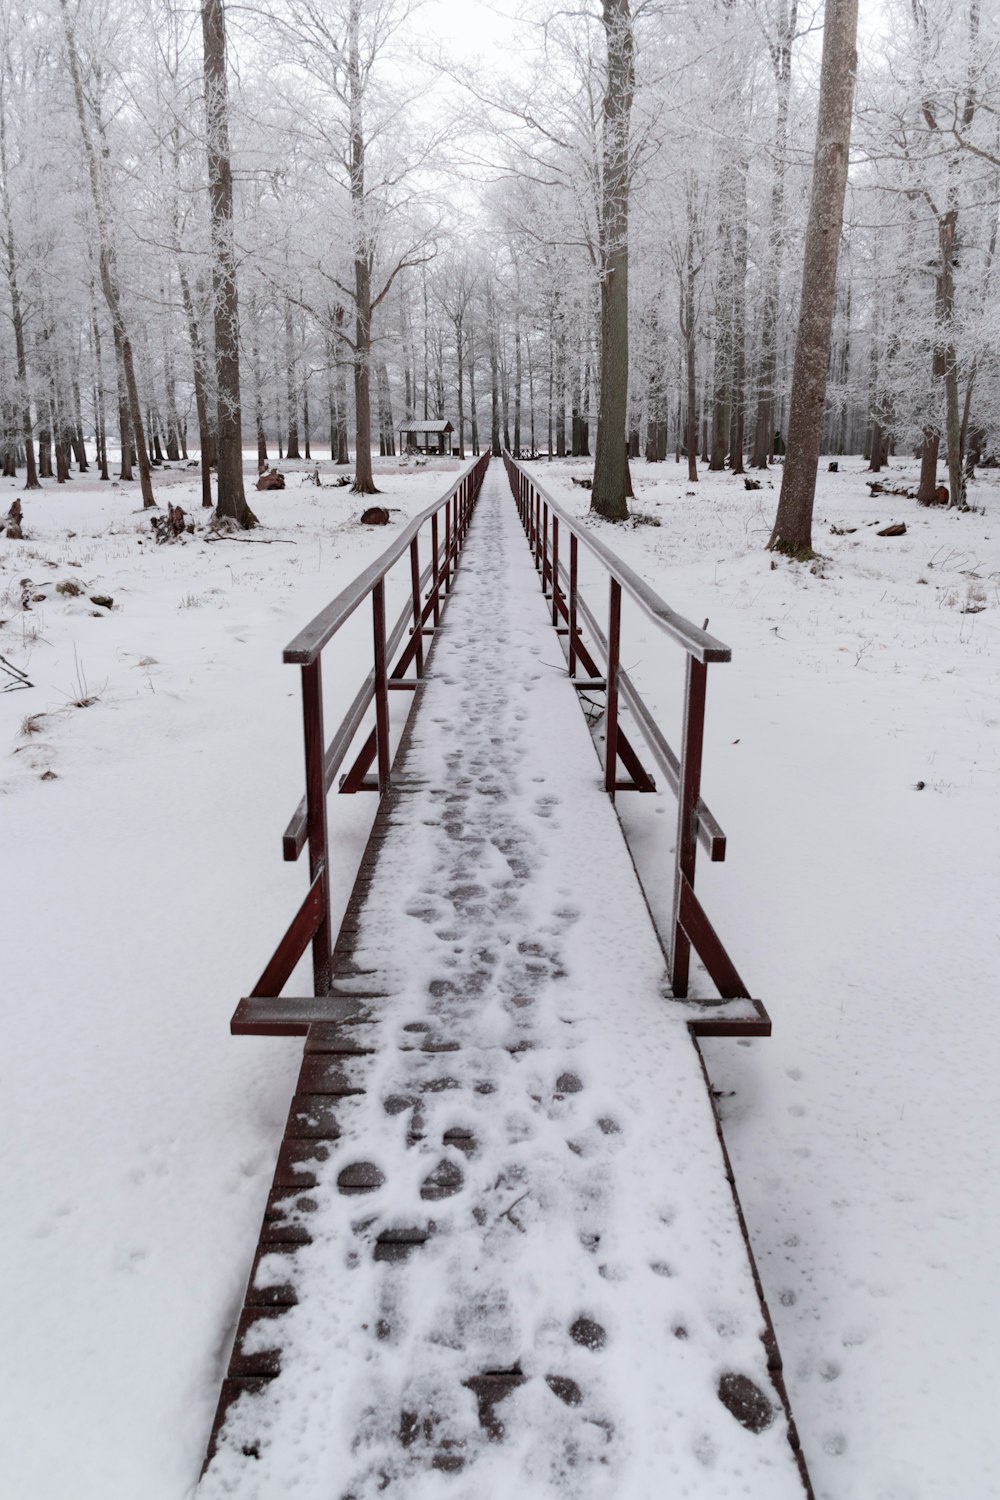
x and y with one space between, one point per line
504 391
291 386
385 407
738 336
688 330
106 259
17 317
561 392
927 488
608 495
953 419
100 425
124 412
170 385
461 386
531 398
343 446
517 387
364 483
258 402
585 412
231 502
781 55
473 416
495 446
792 532
206 442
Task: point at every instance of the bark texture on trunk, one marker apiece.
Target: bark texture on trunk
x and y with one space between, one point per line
781 62
291 385
364 482
231 499
495 444
17 317
690 356
459 352
608 497
792 532
106 259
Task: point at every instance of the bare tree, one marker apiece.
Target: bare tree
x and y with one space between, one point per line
11 267
781 34
107 259
792 532
231 500
608 497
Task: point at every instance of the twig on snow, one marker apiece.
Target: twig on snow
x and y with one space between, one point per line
508 1213
20 678
255 541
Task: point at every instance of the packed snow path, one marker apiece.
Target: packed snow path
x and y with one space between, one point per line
502 1255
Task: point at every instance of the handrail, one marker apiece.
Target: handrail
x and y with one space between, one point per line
311 639
710 834
295 834
702 646
546 522
311 924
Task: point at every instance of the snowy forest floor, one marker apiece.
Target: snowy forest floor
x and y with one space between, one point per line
144 890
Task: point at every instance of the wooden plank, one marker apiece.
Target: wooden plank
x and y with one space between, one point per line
272 1287
313 1117
299 1162
286 1217
273 1015
263 1362
353 1040
707 1026
322 1073
233 1387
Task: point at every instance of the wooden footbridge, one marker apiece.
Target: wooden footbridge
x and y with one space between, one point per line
503 1252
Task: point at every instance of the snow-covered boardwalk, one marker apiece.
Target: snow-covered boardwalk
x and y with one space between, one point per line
502 1255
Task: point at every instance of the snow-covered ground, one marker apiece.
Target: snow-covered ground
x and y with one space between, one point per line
144 890
853 757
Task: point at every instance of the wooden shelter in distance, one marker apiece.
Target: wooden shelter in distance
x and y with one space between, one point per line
410 434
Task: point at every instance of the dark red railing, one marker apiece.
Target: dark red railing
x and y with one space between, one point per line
447 521
549 528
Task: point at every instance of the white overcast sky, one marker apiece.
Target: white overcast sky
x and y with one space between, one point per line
469 28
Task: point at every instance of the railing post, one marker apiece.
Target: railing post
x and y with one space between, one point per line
417 605
611 717
688 793
316 825
381 687
572 602
555 570
435 570
447 546
545 546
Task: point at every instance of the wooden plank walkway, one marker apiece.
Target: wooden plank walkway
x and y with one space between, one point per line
502 1249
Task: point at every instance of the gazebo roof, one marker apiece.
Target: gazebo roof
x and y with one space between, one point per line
425 427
